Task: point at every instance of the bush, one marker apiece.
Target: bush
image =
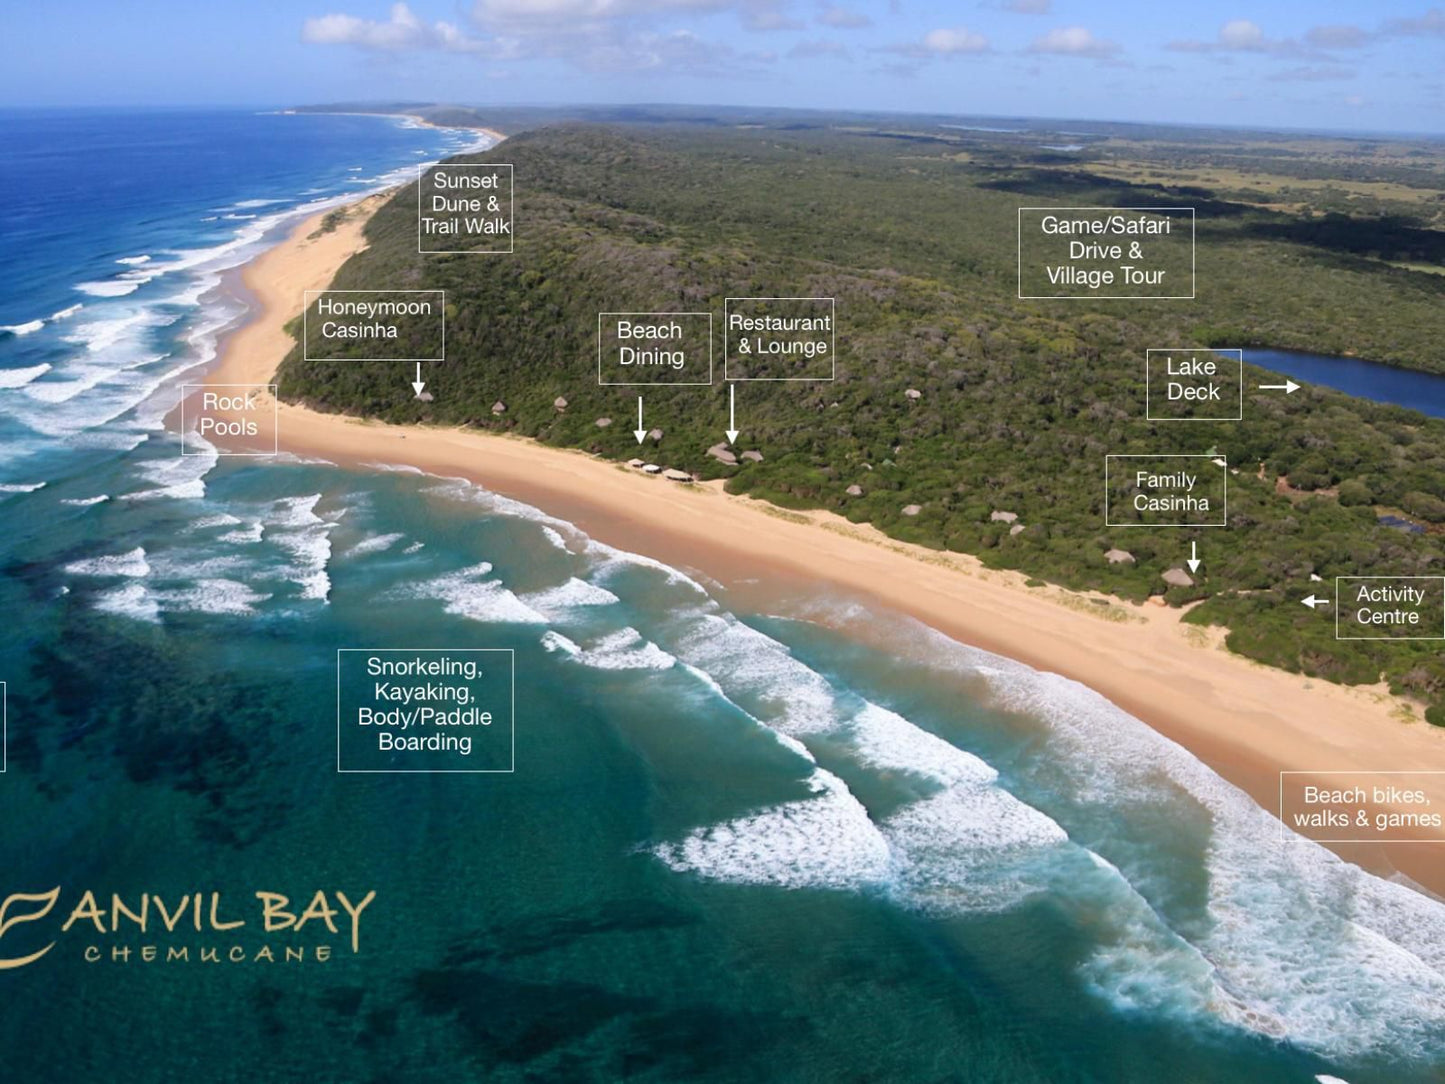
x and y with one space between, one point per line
1425 506
1354 492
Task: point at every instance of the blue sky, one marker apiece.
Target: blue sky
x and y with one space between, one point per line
1323 64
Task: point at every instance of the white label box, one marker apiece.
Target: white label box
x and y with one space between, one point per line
1166 490
1183 385
426 710
465 208
1390 607
234 419
1124 253
1361 807
374 325
780 338
636 349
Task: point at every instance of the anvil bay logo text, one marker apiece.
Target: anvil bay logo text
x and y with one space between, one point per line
191 928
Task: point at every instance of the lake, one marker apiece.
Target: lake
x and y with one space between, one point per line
1424 392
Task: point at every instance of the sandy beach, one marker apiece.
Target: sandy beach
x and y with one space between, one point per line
1246 721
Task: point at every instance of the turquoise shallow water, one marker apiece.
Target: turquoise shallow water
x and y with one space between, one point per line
738 846
817 843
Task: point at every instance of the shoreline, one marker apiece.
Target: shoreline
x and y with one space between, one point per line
492 132
1245 721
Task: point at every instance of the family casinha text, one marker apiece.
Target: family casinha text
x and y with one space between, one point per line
193 927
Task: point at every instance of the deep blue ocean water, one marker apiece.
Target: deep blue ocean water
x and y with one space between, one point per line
816 843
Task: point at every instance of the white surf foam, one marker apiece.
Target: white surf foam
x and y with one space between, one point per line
211 596
625 649
758 673
972 847
310 552
966 845
18 378
295 512
469 593
219 519
885 740
611 560
557 531
132 563
824 841
132 600
178 477
244 536
109 287
1299 943
555 642
557 602
27 328
376 544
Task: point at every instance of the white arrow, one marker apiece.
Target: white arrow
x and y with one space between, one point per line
1289 387
640 433
418 383
1193 561
732 429
1312 602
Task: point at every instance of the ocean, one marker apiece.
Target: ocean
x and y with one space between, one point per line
806 841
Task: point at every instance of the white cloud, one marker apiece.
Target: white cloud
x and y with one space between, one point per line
595 35
843 18
770 19
954 40
1338 37
1244 35
944 42
1073 41
1429 25
1318 42
1241 34
559 12
402 31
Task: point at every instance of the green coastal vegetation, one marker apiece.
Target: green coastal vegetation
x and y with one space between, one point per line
951 394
